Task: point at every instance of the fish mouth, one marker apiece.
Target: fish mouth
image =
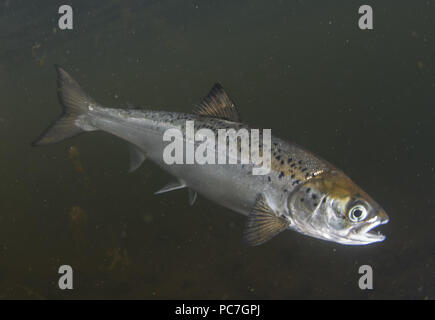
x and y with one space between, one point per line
366 234
359 234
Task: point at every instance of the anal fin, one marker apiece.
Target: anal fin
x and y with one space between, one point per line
192 196
263 223
137 157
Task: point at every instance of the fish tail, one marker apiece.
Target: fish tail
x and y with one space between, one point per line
75 103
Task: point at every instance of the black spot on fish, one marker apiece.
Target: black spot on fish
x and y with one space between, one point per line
307 175
285 190
281 174
289 160
292 176
324 200
314 196
315 204
308 190
278 158
282 162
293 165
295 182
302 199
300 161
304 169
268 178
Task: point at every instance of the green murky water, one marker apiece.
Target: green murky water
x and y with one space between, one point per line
364 100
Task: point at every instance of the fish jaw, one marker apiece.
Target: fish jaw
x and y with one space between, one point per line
366 234
322 208
359 236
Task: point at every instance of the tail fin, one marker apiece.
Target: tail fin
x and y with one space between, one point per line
74 102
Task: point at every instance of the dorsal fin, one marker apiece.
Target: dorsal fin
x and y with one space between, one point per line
218 104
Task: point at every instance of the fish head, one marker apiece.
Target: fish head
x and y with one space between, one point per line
332 207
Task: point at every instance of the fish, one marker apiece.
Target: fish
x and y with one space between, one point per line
302 192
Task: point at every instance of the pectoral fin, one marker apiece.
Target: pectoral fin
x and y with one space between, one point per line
136 157
263 223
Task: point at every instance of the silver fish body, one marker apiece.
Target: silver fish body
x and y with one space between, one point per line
302 192
232 185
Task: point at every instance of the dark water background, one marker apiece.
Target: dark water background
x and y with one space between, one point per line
364 100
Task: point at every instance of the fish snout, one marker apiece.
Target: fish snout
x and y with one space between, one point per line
383 217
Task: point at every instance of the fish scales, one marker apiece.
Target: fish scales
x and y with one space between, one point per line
302 192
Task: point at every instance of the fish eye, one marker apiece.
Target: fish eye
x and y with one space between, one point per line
357 213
